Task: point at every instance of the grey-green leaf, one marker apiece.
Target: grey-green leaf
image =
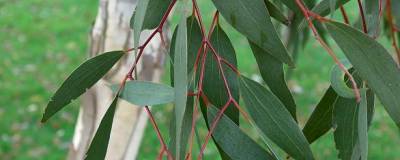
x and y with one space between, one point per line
213 85
98 147
84 77
251 18
276 13
338 83
320 120
363 125
272 72
372 17
145 93
154 13
180 80
138 20
274 120
236 144
345 115
373 63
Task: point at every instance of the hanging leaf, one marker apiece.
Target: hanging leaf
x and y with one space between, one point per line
194 43
373 63
180 79
276 13
395 11
320 120
145 93
274 120
372 17
98 146
346 125
363 125
213 86
153 15
251 18
272 72
233 141
338 84
138 20
185 132
84 77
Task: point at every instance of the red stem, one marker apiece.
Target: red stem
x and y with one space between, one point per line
343 11
326 47
364 24
393 29
159 136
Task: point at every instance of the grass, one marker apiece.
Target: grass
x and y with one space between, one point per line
43 41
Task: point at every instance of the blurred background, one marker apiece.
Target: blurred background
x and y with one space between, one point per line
42 41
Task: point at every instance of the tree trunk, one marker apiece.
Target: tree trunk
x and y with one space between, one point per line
111 32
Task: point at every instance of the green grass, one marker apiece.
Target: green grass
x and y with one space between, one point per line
43 41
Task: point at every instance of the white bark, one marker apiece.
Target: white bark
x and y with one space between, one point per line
111 32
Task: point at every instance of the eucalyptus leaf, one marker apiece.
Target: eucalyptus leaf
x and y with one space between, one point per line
276 13
272 72
363 125
272 118
338 84
372 17
98 146
84 77
234 141
145 93
138 20
320 120
154 13
373 64
251 18
180 80
346 127
213 85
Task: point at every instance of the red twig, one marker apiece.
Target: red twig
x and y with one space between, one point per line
393 28
364 24
344 14
329 50
159 136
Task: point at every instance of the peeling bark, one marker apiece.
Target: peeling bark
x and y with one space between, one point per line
111 32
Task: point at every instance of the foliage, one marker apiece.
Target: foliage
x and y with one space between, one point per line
217 81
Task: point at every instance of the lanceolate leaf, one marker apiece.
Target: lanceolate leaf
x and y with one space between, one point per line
396 12
373 63
138 20
233 141
320 120
372 17
251 18
346 126
363 125
274 120
185 132
84 77
346 121
339 85
213 86
180 80
271 70
154 13
98 147
144 93
194 42
275 12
